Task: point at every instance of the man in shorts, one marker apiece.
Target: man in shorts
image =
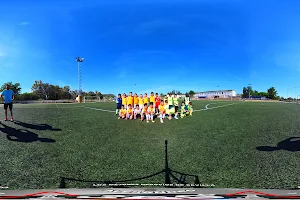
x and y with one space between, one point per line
8 96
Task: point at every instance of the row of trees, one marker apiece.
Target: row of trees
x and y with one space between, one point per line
47 91
41 90
191 92
270 94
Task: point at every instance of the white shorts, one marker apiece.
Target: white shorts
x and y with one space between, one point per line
141 106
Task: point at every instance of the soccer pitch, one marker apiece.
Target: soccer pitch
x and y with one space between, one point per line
220 143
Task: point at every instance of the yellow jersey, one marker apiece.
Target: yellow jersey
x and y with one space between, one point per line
130 100
152 99
124 100
136 100
130 111
150 110
162 108
123 112
145 110
146 100
141 101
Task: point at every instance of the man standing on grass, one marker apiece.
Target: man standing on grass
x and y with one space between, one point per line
170 100
8 96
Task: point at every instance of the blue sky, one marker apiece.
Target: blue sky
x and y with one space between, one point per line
157 45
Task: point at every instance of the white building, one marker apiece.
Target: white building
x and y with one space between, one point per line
216 94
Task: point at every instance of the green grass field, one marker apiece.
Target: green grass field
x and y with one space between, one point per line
220 145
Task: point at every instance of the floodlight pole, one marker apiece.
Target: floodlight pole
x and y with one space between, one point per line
79 60
287 92
296 93
249 89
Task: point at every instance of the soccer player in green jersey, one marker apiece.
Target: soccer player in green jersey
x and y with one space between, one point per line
187 99
183 110
170 100
175 102
190 109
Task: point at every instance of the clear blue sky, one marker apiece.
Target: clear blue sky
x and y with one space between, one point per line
155 44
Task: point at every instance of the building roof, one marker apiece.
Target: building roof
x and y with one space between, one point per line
217 91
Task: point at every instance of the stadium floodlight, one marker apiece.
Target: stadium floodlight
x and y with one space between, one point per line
79 60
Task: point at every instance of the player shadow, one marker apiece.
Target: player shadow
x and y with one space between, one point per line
291 144
36 126
21 135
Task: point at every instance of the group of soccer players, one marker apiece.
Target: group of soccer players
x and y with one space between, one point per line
148 108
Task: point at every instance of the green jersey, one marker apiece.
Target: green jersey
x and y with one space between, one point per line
172 110
187 100
175 100
182 108
170 101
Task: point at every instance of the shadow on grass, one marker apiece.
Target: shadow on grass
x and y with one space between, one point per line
290 144
19 135
36 126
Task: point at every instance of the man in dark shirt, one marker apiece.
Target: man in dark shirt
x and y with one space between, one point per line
119 104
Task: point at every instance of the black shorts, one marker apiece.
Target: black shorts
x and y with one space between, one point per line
119 106
138 115
10 105
176 108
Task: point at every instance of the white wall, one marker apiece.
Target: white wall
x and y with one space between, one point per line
217 93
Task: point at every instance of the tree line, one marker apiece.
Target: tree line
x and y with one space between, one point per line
190 93
47 91
270 94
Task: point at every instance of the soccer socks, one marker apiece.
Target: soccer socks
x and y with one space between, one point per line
117 110
152 118
176 116
161 116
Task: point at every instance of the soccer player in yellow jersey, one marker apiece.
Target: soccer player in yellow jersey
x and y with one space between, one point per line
165 98
135 100
130 99
152 99
124 101
144 112
150 113
122 113
129 112
141 101
146 100
162 111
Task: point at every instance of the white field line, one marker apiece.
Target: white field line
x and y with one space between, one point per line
206 108
210 108
71 107
66 107
99 109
